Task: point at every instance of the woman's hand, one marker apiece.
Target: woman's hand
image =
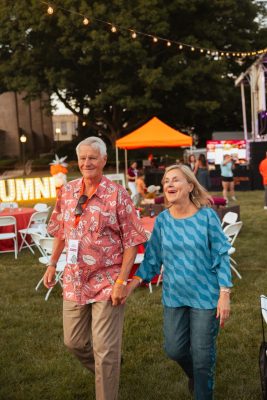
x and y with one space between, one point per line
130 288
223 308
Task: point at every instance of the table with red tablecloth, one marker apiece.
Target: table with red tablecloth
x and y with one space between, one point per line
148 224
22 216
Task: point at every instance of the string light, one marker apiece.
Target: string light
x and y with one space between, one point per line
86 21
50 10
114 29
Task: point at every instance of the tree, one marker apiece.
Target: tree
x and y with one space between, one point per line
113 82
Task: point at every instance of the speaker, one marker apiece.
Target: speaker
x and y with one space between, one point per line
257 154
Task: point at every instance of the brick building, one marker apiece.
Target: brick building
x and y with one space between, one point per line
19 117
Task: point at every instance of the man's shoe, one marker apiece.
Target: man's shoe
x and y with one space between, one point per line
191 385
265 207
234 198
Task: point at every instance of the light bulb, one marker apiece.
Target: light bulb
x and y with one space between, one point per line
134 35
155 39
50 10
113 29
86 21
169 44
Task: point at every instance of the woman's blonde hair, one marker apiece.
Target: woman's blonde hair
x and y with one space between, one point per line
199 195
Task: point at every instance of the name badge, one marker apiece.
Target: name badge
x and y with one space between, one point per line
73 251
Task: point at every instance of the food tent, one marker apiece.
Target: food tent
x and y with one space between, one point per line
154 133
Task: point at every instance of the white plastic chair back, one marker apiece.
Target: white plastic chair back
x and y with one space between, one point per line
10 221
36 237
264 307
39 217
46 244
41 207
231 231
229 218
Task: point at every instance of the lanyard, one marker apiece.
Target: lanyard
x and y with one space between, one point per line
92 191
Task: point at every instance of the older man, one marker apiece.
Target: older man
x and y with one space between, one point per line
95 220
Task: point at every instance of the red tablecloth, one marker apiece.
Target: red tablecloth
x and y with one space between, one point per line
22 216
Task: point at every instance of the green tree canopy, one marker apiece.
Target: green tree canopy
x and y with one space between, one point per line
114 82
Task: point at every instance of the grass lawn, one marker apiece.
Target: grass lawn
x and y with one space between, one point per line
35 365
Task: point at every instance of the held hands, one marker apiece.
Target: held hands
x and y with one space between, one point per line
118 294
121 292
223 307
49 277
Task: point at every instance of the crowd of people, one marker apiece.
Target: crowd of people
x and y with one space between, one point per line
140 193
96 222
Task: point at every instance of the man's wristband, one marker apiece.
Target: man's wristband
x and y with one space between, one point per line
121 282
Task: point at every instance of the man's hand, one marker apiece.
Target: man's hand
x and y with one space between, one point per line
118 295
49 277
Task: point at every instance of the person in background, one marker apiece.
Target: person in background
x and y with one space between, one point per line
95 220
192 162
263 172
188 241
227 176
201 171
131 176
141 186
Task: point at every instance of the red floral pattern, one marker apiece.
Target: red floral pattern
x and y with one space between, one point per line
108 225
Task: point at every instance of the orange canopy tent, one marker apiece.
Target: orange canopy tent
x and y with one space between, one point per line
154 133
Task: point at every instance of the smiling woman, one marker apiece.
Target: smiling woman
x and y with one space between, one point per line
189 243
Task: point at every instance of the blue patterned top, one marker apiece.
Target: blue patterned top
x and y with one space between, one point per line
194 252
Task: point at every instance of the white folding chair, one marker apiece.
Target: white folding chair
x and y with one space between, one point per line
37 224
138 259
160 275
41 207
231 231
10 221
229 218
263 300
46 244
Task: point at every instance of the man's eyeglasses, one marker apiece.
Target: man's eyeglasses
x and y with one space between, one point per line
82 200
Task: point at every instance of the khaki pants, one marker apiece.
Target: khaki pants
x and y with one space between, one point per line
93 333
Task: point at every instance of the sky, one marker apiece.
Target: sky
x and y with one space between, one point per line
61 109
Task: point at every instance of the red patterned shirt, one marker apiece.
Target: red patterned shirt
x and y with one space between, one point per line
107 226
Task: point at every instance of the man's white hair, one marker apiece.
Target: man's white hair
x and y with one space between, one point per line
94 142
